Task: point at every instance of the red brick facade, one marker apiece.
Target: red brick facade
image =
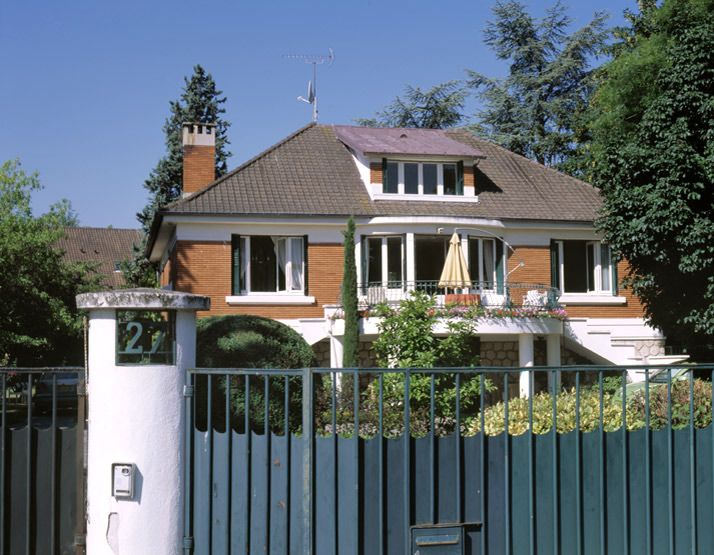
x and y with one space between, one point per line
199 167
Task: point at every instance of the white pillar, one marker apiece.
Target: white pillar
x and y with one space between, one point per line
410 259
553 358
525 360
337 349
136 417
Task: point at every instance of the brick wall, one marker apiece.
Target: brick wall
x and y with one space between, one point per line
375 172
469 178
537 270
199 167
204 268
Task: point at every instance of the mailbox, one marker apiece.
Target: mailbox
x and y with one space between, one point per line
444 540
123 475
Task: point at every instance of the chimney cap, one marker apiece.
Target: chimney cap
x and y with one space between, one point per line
199 134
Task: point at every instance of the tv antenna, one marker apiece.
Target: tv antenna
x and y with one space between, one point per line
312 85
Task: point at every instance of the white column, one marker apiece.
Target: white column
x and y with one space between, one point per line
525 360
337 348
136 417
410 255
553 358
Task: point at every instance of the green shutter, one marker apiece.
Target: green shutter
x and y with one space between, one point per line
614 283
384 179
304 264
554 264
235 265
500 269
363 264
460 178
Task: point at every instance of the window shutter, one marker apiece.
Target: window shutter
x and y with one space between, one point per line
500 270
305 272
614 284
554 265
384 179
460 177
235 265
363 264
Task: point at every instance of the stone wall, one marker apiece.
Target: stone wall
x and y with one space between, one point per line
322 353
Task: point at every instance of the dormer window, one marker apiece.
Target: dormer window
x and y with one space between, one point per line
422 178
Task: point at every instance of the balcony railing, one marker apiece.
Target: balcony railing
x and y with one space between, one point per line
486 294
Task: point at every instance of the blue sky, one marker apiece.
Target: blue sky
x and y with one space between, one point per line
85 85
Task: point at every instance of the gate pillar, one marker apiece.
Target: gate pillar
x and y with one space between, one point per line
141 341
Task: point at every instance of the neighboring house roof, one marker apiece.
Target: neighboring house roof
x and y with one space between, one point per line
385 140
104 246
311 172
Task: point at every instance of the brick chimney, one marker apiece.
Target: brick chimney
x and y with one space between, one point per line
199 156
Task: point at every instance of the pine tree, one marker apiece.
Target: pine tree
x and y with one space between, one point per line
200 102
349 299
538 109
439 107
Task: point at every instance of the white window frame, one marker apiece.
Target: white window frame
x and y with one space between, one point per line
246 288
594 274
384 258
401 186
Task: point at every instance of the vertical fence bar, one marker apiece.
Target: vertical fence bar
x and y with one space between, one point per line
53 468
625 473
507 467
601 469
578 480
266 432
531 485
356 440
247 475
648 464
189 410
229 450
335 483
288 436
670 466
209 433
381 464
554 455
692 465
457 433
307 461
80 528
3 415
432 457
482 455
407 460
28 469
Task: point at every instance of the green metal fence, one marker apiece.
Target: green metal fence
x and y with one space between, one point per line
379 461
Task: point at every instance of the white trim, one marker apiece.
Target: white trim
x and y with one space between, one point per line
575 299
423 198
276 299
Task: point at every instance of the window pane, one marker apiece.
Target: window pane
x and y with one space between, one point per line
281 247
374 260
297 254
429 179
473 261
575 267
605 267
392 177
244 262
411 179
430 254
488 265
394 261
449 179
263 264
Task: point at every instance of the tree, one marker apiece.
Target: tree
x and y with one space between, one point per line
439 107
653 158
200 102
39 321
349 299
538 109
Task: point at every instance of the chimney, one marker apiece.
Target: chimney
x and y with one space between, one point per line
199 156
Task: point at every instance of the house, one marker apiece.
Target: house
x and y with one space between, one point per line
105 247
266 239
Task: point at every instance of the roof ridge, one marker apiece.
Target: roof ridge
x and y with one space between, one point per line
102 228
244 165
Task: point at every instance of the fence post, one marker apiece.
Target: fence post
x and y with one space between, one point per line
307 460
141 341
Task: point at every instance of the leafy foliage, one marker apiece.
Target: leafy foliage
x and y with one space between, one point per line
537 110
39 322
200 102
349 299
439 107
653 158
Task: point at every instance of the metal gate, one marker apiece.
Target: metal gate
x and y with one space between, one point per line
335 461
42 472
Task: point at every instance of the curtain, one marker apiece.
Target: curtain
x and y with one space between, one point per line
279 246
297 254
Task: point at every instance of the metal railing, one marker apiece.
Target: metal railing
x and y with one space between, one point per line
327 460
486 294
42 460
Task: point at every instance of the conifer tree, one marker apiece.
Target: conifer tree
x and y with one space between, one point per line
200 102
349 299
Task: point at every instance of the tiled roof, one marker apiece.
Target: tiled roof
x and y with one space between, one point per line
384 140
312 173
105 246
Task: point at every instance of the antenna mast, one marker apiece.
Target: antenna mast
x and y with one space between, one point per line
312 85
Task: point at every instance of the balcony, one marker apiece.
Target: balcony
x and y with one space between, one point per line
532 296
